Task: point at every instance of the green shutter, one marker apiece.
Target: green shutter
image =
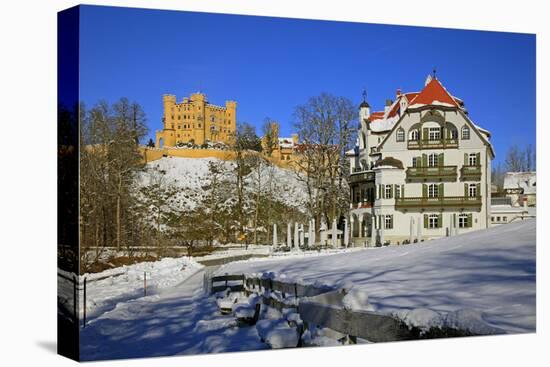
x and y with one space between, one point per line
469 221
402 191
440 161
465 159
391 222
424 190
440 221
425 220
478 163
424 160
395 191
478 190
379 191
425 133
466 189
440 191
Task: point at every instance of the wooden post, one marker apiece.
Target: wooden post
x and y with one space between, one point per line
145 283
84 315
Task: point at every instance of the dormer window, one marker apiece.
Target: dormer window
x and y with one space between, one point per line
414 135
465 133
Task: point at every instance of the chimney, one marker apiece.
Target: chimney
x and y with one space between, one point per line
388 105
398 92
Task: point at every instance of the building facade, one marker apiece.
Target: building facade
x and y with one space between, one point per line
421 170
195 120
521 188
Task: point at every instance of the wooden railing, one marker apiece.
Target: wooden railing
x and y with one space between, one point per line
470 172
361 176
439 172
444 201
432 144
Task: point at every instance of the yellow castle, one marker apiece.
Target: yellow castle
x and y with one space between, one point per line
195 120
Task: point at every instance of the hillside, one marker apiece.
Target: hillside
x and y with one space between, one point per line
480 278
192 176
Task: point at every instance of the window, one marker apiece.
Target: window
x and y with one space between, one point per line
472 191
397 191
400 135
433 191
498 219
504 219
465 133
472 159
433 221
434 133
415 162
492 219
432 160
387 192
414 135
462 221
212 118
454 134
388 222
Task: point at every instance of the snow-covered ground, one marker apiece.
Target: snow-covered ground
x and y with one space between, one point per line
484 279
179 320
110 287
192 176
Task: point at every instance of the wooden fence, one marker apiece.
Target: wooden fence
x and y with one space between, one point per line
321 306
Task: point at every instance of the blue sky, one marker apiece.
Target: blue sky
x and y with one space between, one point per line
270 65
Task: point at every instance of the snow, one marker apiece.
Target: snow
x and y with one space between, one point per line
524 180
384 124
277 333
191 175
491 272
357 300
107 288
421 318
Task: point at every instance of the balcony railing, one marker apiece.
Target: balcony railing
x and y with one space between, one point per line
361 177
438 202
470 172
432 173
432 144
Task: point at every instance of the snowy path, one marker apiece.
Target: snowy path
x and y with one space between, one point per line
177 320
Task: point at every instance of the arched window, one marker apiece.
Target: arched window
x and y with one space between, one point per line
465 133
414 135
400 135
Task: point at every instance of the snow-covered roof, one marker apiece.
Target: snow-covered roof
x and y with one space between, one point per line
527 181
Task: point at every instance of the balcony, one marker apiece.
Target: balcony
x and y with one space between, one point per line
433 144
470 173
438 202
440 173
363 176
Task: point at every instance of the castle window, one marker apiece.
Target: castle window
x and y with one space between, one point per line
434 133
463 221
414 135
472 190
400 135
433 191
465 133
433 221
432 160
472 159
388 222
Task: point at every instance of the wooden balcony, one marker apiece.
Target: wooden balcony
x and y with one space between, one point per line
470 173
439 173
433 144
364 176
438 202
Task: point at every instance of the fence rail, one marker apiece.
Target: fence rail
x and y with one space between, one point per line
322 306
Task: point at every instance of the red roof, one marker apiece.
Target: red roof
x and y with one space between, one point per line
376 115
432 92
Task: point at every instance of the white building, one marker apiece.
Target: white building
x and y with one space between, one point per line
521 187
421 170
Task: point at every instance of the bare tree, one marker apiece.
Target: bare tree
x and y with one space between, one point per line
324 126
